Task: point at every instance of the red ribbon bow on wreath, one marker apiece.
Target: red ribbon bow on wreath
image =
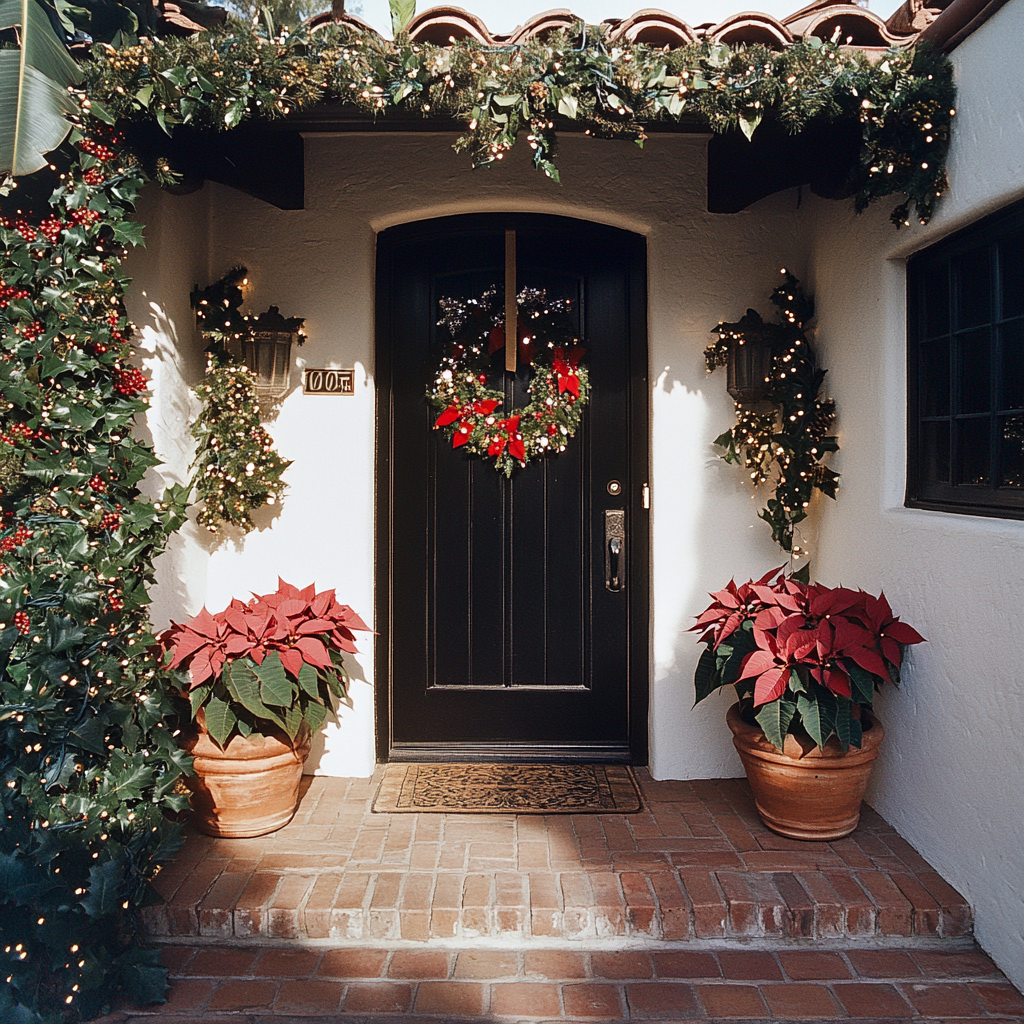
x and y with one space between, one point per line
512 438
464 418
565 366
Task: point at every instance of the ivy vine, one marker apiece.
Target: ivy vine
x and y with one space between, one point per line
787 442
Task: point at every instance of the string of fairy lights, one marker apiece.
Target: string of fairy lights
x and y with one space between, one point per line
784 434
237 469
472 409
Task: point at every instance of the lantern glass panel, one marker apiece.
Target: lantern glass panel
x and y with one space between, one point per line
750 360
268 355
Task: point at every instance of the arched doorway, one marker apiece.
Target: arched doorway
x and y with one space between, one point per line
501 634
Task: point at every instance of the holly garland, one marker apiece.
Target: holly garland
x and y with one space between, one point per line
903 103
559 388
788 442
237 469
88 762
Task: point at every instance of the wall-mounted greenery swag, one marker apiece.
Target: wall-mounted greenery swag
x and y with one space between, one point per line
237 469
788 441
904 103
87 760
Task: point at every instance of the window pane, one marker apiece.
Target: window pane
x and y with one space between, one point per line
934 369
1011 261
1012 441
1011 337
973 452
972 275
975 371
935 452
935 319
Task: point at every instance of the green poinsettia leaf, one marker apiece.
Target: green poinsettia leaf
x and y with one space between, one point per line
220 720
706 678
244 685
308 680
275 686
775 718
818 713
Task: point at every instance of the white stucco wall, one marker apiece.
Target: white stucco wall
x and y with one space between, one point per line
951 772
952 768
319 263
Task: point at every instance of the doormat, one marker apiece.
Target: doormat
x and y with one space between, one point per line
471 788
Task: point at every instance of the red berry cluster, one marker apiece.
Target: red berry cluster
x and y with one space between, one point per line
84 216
22 534
22 623
7 544
51 228
98 484
110 521
94 176
116 603
8 292
129 382
18 431
31 331
23 227
97 149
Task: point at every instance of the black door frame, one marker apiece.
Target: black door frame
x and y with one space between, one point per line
635 256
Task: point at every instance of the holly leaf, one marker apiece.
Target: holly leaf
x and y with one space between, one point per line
105 890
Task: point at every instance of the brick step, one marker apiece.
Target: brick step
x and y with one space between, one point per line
670 905
211 983
695 864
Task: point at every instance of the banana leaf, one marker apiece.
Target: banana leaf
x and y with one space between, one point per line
33 89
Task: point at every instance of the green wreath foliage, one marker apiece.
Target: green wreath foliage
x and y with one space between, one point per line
904 103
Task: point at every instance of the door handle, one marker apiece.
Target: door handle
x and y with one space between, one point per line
615 548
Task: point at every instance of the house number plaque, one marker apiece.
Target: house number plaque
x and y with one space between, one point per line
328 382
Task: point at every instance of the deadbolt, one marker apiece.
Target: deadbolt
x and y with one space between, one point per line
614 487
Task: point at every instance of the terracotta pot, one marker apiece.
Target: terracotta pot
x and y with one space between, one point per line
806 792
249 788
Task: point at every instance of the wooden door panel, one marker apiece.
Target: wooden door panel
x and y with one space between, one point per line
498 635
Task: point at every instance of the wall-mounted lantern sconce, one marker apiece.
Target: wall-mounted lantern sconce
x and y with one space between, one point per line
267 350
750 357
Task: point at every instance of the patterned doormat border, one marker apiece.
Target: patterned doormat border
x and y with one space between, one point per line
473 788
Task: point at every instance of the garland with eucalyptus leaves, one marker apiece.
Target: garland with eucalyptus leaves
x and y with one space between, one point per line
788 442
904 103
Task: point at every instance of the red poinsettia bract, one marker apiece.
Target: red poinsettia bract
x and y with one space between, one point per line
799 627
300 625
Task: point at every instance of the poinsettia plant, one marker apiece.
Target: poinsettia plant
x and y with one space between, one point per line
802 656
272 663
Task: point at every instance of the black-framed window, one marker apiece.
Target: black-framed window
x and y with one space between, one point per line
965 332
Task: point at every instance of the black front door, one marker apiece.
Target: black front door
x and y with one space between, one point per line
501 630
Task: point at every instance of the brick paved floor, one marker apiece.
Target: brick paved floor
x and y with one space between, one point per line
695 864
219 984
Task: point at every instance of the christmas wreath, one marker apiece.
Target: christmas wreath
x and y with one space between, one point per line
471 412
